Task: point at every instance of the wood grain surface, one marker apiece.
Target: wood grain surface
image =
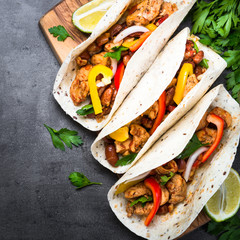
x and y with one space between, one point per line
61 14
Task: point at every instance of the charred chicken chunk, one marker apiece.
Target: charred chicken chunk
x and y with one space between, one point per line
108 47
123 147
191 83
152 111
168 8
138 209
79 89
100 59
207 135
203 123
145 12
81 62
138 190
226 116
178 189
140 137
167 168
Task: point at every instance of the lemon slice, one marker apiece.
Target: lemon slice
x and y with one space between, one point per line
226 201
87 16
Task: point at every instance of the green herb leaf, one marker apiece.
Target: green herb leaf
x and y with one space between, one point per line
165 178
143 200
191 147
126 160
85 110
117 52
228 230
80 181
64 135
195 46
204 63
59 31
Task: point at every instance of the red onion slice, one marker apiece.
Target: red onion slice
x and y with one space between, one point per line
129 31
191 161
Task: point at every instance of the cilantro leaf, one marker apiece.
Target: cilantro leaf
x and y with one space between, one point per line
59 31
191 147
165 178
143 200
204 63
85 110
126 160
80 181
64 135
117 52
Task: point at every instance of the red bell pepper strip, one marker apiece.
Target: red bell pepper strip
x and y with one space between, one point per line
140 41
219 122
162 19
119 75
152 184
161 112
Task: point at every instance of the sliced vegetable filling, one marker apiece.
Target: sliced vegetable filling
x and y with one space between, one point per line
166 186
130 139
113 50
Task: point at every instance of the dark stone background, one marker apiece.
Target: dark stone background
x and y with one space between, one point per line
37 200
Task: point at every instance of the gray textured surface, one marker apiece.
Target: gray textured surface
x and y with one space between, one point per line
36 199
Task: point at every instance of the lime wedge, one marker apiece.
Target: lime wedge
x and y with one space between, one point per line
87 16
226 201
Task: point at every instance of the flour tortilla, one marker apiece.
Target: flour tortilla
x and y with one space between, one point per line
207 179
151 86
137 66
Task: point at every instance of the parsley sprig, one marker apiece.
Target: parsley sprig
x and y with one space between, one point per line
80 181
218 24
65 135
60 32
126 160
142 200
227 230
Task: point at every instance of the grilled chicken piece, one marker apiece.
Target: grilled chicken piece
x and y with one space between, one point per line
168 8
100 59
140 137
226 116
152 111
207 135
203 123
79 89
178 189
108 47
123 147
138 190
167 168
191 83
81 62
145 12
138 209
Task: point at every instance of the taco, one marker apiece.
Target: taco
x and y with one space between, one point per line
99 73
178 78
163 193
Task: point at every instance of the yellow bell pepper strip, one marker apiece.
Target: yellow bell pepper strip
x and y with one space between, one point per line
140 41
161 112
95 71
186 70
120 135
151 27
152 184
128 43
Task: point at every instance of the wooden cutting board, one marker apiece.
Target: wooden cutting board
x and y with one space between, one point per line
61 14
